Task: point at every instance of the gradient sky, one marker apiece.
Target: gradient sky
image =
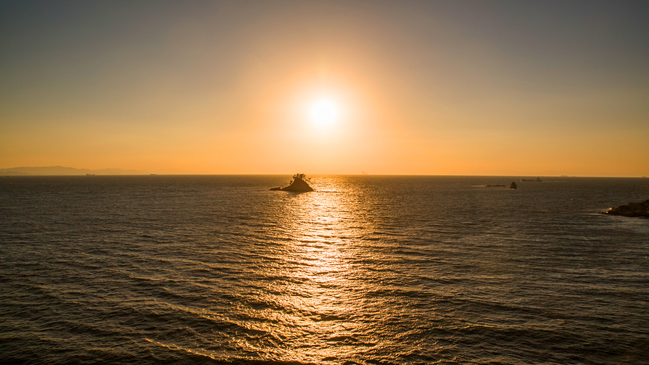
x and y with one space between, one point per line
422 87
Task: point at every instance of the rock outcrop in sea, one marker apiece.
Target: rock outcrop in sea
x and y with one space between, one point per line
297 185
631 210
513 185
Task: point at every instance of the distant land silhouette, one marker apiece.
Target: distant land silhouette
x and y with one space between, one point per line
60 170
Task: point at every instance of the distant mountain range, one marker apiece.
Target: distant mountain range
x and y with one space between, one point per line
60 170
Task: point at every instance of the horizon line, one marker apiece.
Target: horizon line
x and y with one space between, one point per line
324 174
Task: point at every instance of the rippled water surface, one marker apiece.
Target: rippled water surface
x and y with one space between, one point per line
367 270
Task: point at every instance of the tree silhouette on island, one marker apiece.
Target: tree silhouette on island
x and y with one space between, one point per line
297 185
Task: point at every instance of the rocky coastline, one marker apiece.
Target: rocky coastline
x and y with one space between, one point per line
631 210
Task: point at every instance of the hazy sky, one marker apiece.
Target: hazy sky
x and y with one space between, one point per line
418 87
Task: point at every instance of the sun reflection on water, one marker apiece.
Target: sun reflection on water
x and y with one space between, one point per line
324 232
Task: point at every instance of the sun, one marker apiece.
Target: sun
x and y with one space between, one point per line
324 111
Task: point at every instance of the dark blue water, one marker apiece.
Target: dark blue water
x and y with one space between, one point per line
366 270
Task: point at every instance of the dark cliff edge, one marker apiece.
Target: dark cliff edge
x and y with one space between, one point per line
631 210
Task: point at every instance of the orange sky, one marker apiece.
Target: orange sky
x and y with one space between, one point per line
498 88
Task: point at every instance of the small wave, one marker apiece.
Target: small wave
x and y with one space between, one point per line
327 318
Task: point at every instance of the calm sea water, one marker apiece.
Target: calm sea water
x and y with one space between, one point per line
367 270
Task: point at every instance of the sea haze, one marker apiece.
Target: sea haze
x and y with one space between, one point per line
367 270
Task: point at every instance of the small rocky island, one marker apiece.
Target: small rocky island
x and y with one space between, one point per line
511 186
631 210
297 185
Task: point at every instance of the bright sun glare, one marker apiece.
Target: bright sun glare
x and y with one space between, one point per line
324 112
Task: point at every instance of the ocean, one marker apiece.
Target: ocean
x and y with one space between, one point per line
365 270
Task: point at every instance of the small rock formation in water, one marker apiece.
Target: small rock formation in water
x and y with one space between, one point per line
631 210
297 185
513 186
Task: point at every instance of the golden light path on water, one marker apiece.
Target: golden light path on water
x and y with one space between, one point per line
324 229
